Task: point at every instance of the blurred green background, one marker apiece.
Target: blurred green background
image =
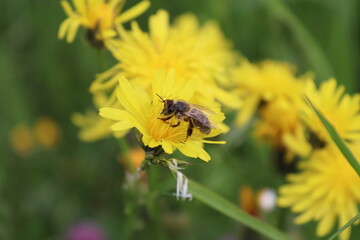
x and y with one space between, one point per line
45 191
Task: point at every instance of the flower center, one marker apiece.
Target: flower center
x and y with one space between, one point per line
100 16
162 129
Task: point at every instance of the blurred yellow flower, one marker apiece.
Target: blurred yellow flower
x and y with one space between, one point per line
341 110
195 52
133 159
47 132
142 112
21 140
261 83
247 200
92 126
273 89
99 17
326 189
280 120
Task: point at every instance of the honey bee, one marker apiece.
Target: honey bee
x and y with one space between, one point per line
195 115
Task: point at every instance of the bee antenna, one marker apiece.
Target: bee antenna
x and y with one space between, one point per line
162 100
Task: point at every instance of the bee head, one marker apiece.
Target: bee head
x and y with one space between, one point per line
169 107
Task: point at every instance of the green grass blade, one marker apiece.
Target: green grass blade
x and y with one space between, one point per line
337 139
351 222
310 47
229 209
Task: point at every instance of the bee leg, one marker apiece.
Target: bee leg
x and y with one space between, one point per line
175 125
190 129
167 118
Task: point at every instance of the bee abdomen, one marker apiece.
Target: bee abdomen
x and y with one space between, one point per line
203 125
205 129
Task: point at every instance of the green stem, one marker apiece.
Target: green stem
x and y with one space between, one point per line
131 210
151 203
131 193
349 156
229 209
357 217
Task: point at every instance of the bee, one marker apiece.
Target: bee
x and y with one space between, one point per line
195 115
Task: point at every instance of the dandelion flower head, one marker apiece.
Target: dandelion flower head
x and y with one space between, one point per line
279 124
194 52
326 190
141 111
47 132
341 110
265 82
21 139
92 126
99 17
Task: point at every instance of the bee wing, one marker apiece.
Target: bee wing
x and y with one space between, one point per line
204 110
201 117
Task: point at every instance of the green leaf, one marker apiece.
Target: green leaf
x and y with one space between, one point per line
345 227
337 139
229 209
311 48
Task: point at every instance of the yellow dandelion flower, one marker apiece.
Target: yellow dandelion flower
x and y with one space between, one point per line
326 190
21 140
280 119
47 132
264 82
195 52
341 110
273 89
142 112
99 17
92 126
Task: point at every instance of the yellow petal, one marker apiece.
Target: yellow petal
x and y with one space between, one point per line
325 225
168 148
247 111
129 99
67 8
80 6
113 113
106 80
159 28
146 139
227 98
121 126
116 4
108 33
73 27
64 26
203 155
154 143
213 142
194 149
133 12
306 216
